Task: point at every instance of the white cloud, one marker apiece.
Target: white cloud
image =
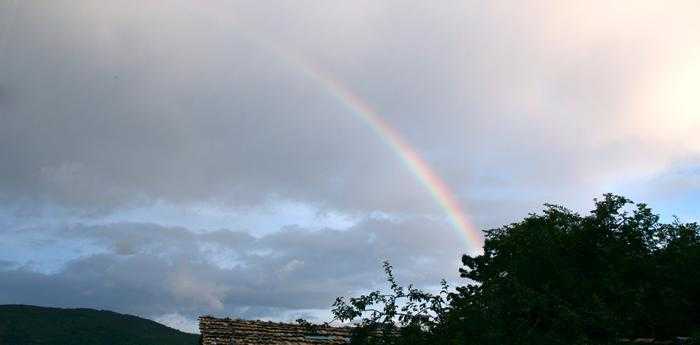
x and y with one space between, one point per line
178 321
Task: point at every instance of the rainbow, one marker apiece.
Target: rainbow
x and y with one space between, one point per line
438 189
411 159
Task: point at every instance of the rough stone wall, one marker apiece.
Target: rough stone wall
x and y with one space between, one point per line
217 331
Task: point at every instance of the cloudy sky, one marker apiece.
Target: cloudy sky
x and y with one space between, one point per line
173 159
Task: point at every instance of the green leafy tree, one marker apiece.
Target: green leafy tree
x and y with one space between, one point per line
405 315
556 277
562 278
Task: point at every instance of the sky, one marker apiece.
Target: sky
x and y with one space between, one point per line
258 159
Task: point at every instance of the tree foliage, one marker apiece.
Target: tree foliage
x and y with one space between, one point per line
553 278
405 315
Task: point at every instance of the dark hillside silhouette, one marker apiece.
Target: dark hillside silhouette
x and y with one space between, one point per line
28 325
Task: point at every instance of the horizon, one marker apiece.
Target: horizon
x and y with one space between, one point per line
252 160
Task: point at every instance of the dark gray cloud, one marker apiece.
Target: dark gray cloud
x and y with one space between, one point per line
110 105
152 270
127 110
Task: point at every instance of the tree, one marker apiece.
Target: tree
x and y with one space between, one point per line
405 315
553 278
562 278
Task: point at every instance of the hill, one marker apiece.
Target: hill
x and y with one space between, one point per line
27 325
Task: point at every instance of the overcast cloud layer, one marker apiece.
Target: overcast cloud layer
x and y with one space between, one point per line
172 160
